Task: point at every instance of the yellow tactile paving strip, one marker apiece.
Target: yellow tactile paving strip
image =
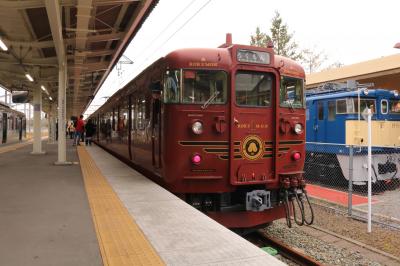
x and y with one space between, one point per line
120 239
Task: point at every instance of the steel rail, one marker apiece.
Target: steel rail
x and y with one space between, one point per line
258 238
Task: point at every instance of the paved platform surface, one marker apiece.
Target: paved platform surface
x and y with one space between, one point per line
388 205
44 213
180 234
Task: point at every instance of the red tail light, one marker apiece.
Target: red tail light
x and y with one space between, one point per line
296 156
196 159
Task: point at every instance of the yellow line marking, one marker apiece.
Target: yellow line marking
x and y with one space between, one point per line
120 239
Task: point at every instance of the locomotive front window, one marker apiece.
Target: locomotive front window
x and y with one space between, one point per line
195 86
364 103
394 106
253 89
201 86
291 92
350 105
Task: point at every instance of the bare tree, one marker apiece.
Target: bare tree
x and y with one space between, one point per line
312 59
336 64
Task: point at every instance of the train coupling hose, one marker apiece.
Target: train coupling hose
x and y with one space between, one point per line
308 203
286 205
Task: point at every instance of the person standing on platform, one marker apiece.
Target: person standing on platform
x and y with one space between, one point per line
79 129
90 129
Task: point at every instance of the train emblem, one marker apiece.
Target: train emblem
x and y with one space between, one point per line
252 147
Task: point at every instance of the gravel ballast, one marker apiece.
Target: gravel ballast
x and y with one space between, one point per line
382 238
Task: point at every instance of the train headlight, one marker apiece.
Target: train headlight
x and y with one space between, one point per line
395 93
197 127
196 159
298 129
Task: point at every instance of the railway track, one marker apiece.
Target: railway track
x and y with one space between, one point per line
261 240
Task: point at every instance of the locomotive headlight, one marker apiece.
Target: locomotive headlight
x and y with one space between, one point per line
298 128
197 127
395 93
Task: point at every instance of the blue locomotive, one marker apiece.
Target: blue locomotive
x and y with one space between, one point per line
334 122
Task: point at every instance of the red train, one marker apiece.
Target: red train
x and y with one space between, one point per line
221 128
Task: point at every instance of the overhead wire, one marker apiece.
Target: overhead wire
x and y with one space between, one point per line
172 35
166 27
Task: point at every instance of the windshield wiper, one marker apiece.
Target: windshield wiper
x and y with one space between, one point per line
291 106
212 97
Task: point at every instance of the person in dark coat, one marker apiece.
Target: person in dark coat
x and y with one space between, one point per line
90 129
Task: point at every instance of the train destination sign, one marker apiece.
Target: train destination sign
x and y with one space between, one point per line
257 57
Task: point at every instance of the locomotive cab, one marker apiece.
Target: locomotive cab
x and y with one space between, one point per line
222 128
239 126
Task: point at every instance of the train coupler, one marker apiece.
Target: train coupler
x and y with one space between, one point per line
258 200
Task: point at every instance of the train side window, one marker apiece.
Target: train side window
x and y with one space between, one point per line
320 111
331 111
341 106
134 113
172 81
384 107
141 114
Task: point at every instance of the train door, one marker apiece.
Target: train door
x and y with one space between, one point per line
156 124
1 128
5 128
252 128
320 120
19 128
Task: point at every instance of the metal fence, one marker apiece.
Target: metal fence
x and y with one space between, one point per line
344 169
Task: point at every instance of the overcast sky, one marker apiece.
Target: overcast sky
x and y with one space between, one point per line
346 31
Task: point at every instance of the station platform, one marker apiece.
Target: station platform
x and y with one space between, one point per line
98 211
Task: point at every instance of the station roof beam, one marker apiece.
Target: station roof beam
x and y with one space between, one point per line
93 34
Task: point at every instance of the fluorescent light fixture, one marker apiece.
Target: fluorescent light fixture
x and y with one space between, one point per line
3 46
29 77
50 98
44 89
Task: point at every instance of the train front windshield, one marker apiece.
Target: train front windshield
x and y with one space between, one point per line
253 89
291 92
195 86
394 107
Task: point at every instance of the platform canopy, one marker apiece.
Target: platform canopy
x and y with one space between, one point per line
89 35
384 72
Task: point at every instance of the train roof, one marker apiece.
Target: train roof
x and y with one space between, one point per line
197 57
5 107
343 93
221 58
289 67
217 58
